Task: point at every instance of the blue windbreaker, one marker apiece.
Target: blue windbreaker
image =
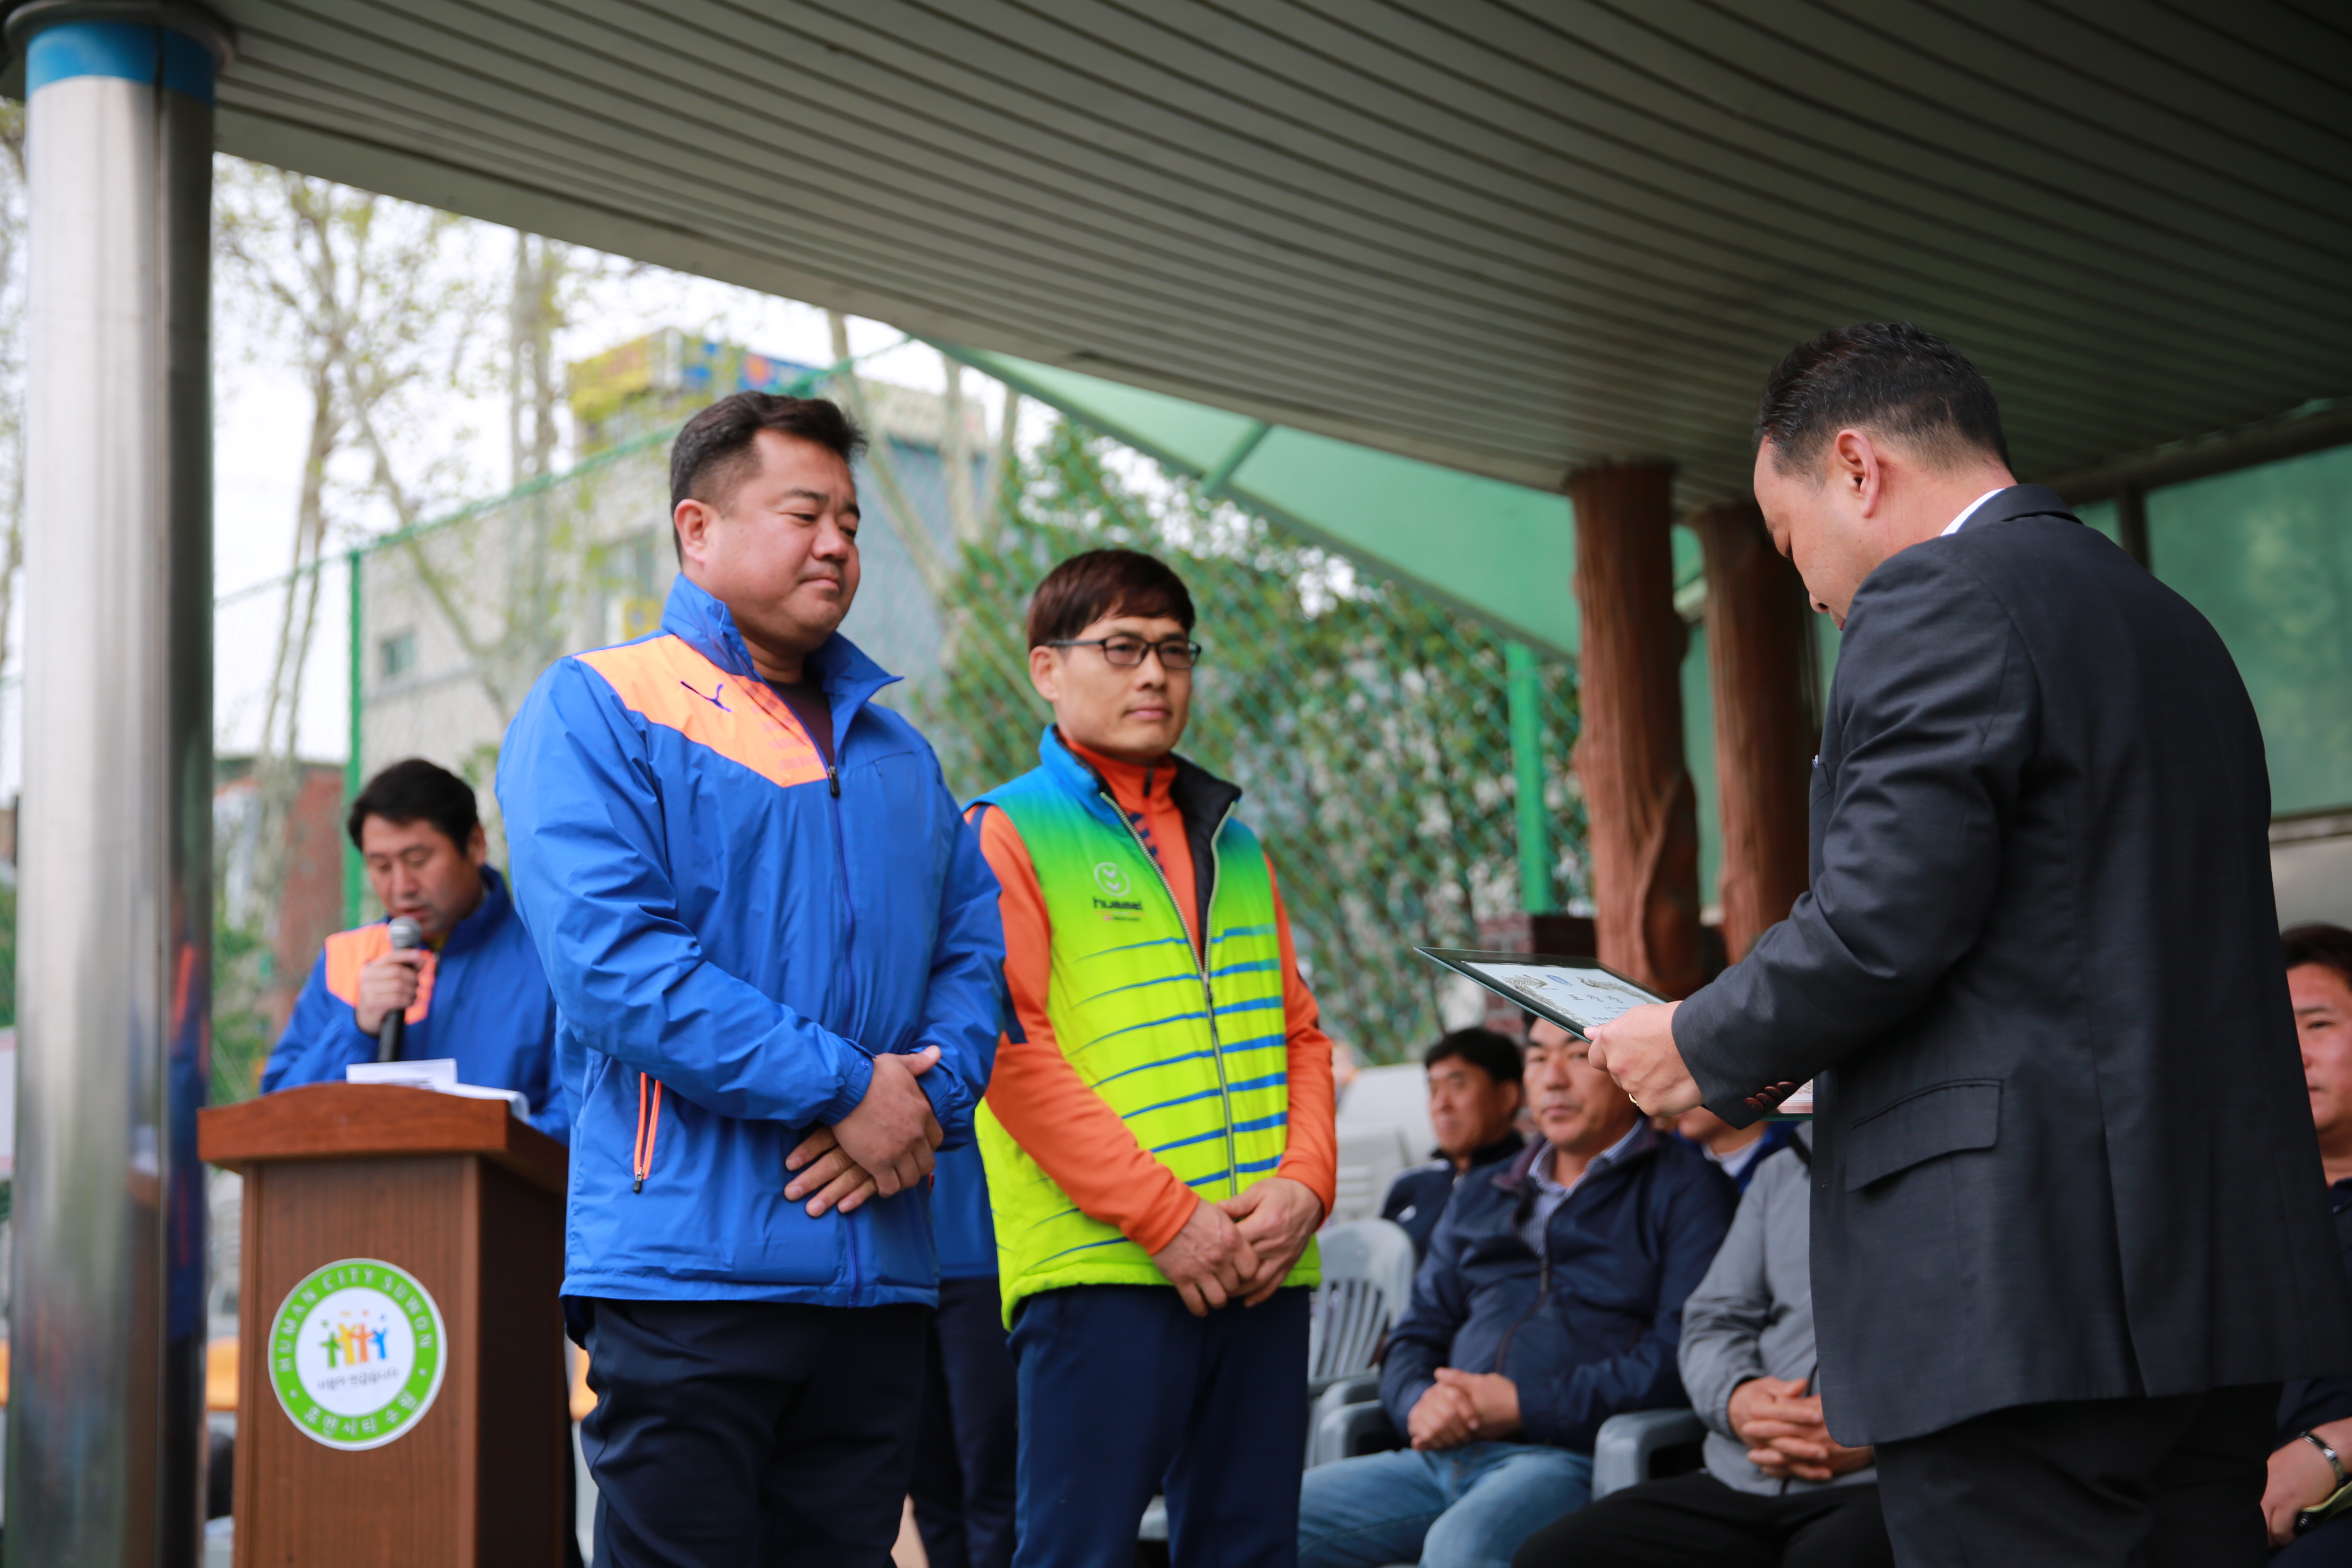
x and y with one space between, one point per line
959 1217
483 1001
732 930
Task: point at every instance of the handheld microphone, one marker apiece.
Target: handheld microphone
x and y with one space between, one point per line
406 937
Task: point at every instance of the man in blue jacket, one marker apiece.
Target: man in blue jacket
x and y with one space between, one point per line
474 991
776 960
1551 1300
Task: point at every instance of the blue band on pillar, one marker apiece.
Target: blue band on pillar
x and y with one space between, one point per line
123 50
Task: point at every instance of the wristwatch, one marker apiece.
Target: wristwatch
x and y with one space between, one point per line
2334 1462
2335 1501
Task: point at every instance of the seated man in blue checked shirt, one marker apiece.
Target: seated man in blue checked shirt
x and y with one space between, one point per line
1551 1300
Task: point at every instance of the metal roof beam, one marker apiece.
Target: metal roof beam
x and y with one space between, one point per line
2313 427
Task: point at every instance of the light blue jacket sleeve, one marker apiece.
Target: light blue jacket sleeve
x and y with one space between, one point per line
584 823
965 1011
322 1038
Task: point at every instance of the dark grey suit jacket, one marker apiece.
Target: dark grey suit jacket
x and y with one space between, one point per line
2063 1147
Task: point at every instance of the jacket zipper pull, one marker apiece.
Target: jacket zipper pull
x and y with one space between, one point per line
833 777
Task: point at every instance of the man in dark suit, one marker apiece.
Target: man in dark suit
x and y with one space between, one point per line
2067 1238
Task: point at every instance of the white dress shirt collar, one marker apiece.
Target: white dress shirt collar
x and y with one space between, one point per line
1970 510
1550 1194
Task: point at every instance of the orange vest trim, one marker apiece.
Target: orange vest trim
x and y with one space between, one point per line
349 952
671 685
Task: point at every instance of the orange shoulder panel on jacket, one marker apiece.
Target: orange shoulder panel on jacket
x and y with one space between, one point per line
671 685
349 952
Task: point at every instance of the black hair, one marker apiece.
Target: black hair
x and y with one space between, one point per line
1085 588
1481 1048
2318 943
418 791
1889 378
717 450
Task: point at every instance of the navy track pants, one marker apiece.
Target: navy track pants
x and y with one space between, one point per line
735 1433
1125 1393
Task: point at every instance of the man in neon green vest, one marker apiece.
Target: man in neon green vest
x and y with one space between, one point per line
1158 1133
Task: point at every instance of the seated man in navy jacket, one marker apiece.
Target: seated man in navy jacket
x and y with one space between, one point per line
2314 1416
473 990
1551 1300
1475 1092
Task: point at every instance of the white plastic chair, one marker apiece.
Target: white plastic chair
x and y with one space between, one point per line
1367 1266
1628 1447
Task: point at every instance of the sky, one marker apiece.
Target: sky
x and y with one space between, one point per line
261 413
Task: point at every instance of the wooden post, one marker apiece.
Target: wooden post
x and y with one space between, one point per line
1758 642
1642 814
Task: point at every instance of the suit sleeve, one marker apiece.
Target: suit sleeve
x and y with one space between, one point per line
585 816
964 1009
322 1038
1422 1339
1037 1095
1567 1411
1724 1320
1936 708
1311 1155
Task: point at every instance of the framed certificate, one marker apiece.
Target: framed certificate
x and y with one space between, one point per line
1577 993
1580 995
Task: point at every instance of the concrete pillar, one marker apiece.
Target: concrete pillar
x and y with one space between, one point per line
1642 814
114 958
1759 641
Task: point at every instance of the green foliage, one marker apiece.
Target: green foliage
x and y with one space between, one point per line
242 972
1368 725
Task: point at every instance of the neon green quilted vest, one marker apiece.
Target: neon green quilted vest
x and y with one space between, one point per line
1190 1055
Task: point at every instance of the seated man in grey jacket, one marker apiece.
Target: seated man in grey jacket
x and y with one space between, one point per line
1778 1490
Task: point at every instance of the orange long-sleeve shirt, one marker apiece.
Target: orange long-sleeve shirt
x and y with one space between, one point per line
1041 1099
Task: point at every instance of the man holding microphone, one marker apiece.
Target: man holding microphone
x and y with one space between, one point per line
2067 1238
775 953
469 989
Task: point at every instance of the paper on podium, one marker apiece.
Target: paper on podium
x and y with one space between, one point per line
439 1074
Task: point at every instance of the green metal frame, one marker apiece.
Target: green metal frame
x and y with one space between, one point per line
1524 673
355 870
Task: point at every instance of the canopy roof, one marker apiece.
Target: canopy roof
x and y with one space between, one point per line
1512 240
1504 552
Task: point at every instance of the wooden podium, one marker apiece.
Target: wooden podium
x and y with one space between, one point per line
408 1407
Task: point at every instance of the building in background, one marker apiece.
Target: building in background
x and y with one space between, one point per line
265 944
1369 722
457 618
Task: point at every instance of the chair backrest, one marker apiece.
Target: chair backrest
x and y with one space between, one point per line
1370 1159
1367 1268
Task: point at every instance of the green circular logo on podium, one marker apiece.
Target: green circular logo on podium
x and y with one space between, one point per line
356 1354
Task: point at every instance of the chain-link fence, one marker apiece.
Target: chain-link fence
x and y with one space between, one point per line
1369 725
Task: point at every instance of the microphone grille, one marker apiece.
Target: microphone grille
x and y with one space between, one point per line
406 933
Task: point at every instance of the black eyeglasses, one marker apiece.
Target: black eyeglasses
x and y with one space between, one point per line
1127 652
